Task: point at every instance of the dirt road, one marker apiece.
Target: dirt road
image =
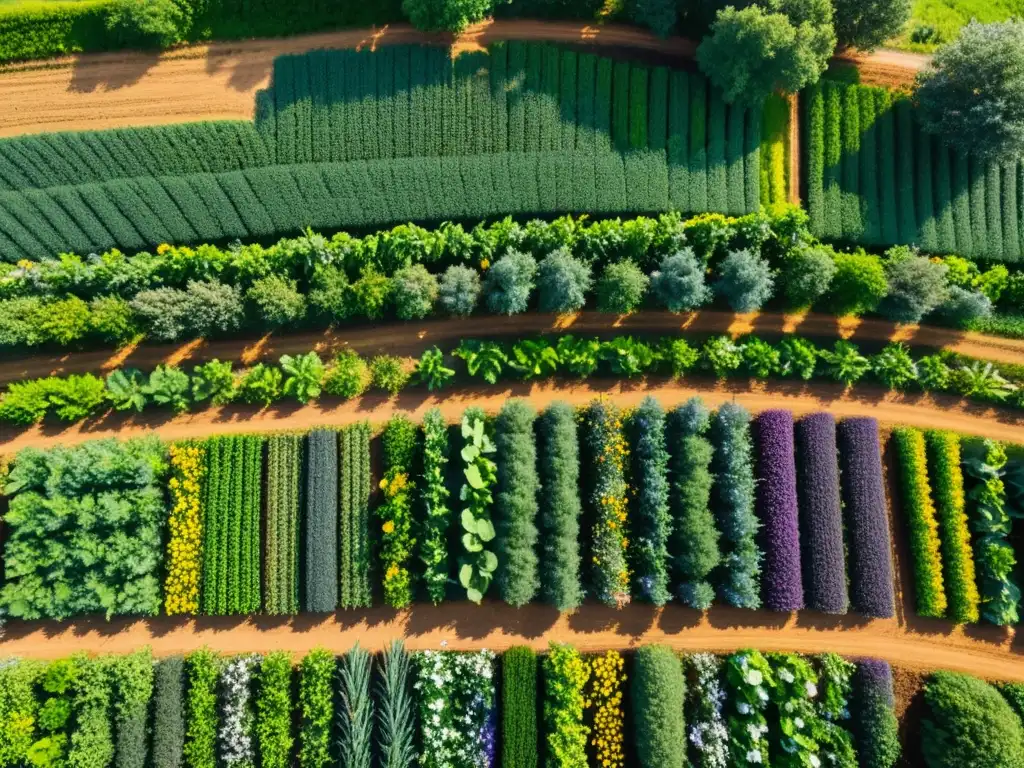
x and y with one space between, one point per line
219 81
412 338
888 407
986 652
893 69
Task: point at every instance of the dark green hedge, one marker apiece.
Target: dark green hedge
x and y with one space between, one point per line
658 692
519 707
168 713
321 523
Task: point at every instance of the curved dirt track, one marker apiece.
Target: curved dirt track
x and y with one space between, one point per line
218 81
886 67
986 652
887 407
414 337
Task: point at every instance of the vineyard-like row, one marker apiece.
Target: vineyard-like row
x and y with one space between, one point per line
629 538
651 707
874 176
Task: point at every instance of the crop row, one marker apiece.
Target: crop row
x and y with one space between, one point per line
652 707
306 378
282 524
954 577
875 176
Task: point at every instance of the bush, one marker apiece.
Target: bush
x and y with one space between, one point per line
622 287
459 290
201 709
329 294
389 373
274 710
807 276
867 24
370 295
509 283
63 322
414 291
91 738
560 508
745 281
163 311
961 307
651 523
678 284
917 285
131 679
858 285
658 693
565 735
519 707
733 466
261 385
924 528
112 320
348 376
515 503
969 723
875 724
276 301
214 308
445 15
658 15
562 282
167 750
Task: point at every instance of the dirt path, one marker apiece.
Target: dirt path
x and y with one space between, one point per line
986 652
888 407
218 81
893 69
412 338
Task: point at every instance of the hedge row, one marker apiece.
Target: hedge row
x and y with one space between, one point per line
284 522
354 558
875 177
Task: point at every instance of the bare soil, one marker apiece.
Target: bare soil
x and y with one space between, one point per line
414 337
218 81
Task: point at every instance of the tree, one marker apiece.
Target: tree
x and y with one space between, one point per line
276 301
148 23
562 282
658 15
445 15
807 276
621 288
509 283
459 290
746 281
213 308
414 291
969 723
867 24
972 95
756 51
679 282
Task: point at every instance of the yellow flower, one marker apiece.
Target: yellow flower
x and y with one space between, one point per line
163 248
388 527
485 264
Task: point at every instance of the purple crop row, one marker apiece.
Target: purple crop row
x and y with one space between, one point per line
781 584
802 515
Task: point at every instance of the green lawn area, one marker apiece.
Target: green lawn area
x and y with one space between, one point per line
945 17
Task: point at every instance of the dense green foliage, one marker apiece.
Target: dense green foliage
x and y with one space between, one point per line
354 561
433 540
316 708
650 524
560 508
274 710
658 692
283 520
321 521
201 709
519 707
169 723
131 681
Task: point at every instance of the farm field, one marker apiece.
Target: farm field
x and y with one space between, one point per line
939 21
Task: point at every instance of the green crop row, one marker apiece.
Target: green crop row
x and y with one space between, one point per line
354 520
284 488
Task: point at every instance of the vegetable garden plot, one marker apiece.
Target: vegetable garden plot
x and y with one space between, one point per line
360 138
875 177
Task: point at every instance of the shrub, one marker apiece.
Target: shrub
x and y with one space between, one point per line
316 707
321 521
395 510
562 282
560 508
370 295
894 366
459 290
924 528
304 376
621 288
147 23
821 520
213 381
867 24
355 746
329 294
236 732
276 301
948 491
858 285
389 373
63 322
605 698
519 707
962 307
348 376
867 518
745 281
261 385
777 510
807 276
969 723
608 495
917 285
651 523
509 283
274 710
658 694
91 744
694 542
750 682
733 502
131 680
163 312
414 291
213 308
515 503
201 709
678 284
168 744
112 320
445 15
463 731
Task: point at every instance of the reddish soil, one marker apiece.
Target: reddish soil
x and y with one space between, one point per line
219 81
412 338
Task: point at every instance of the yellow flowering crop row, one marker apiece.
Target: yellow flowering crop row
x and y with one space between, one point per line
605 698
184 548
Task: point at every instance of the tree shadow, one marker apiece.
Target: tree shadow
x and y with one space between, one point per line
108 72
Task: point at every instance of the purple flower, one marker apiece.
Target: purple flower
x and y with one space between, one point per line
782 587
867 518
821 514
488 738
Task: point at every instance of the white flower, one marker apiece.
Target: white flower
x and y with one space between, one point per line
788 706
754 677
754 756
798 722
762 694
786 675
815 762
811 688
743 708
